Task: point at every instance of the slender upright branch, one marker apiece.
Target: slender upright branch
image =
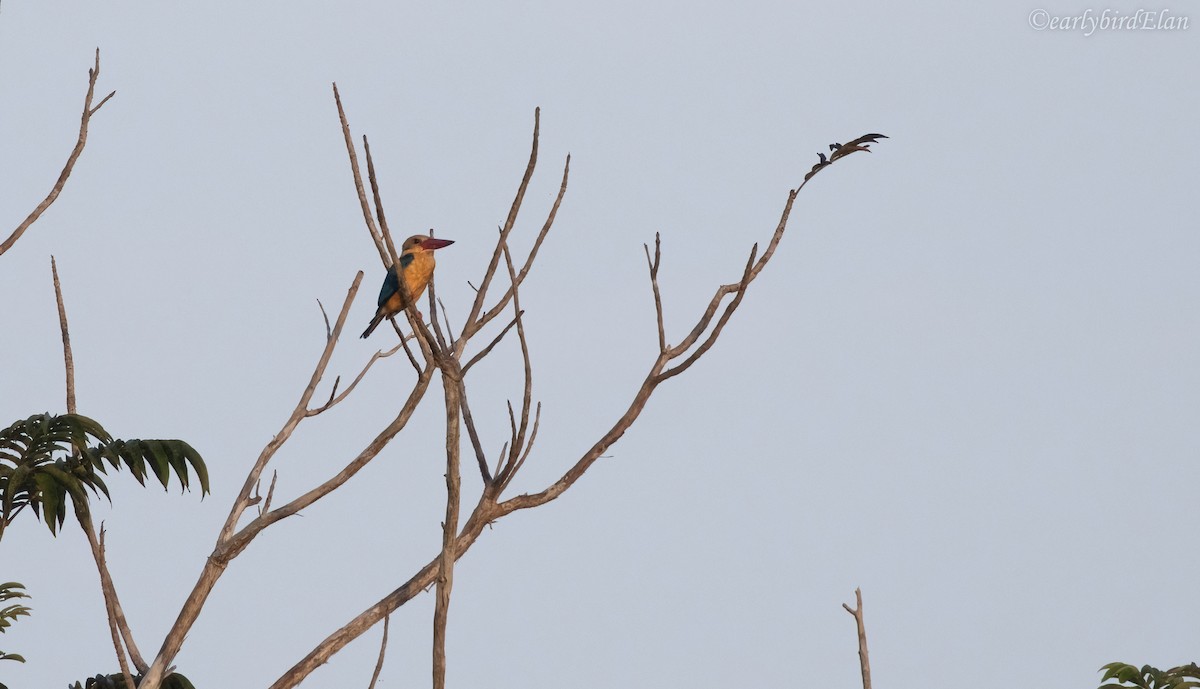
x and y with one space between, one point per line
517 449
658 307
470 327
445 580
358 182
112 628
375 188
68 358
118 626
864 660
85 120
382 651
473 326
473 434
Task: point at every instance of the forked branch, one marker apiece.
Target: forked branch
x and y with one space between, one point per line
864 660
85 120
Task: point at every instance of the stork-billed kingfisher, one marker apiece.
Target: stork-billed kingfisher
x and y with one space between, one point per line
416 265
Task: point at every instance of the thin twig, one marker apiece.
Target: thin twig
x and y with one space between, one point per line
864 660
382 650
658 307
390 257
500 459
266 506
85 120
495 341
739 293
508 476
470 326
375 188
518 439
112 626
68 358
358 183
446 320
379 354
434 321
407 350
474 436
328 330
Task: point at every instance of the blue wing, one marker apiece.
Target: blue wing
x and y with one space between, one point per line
391 283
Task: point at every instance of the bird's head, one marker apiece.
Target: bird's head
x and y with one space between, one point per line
420 243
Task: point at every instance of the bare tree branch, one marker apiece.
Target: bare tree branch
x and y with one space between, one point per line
516 450
68 358
85 120
471 327
379 354
419 582
230 544
112 626
738 293
486 350
382 650
864 660
658 307
404 343
474 436
118 626
434 321
375 189
266 506
358 183
445 580
328 330
512 471
488 510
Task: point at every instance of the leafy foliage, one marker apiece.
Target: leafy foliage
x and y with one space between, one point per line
47 458
9 613
171 681
1146 677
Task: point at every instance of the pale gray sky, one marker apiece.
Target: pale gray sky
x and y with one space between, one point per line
968 382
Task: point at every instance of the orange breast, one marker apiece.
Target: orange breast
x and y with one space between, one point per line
416 277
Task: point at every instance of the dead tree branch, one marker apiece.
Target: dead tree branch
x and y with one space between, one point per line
382 650
864 660
85 120
489 508
118 626
232 541
445 579
376 236
68 358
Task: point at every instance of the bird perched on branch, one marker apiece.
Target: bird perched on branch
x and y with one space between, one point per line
416 265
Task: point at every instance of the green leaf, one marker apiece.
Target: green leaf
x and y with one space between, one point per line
45 457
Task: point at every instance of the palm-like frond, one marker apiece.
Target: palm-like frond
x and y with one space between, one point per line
8 614
46 459
1147 677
